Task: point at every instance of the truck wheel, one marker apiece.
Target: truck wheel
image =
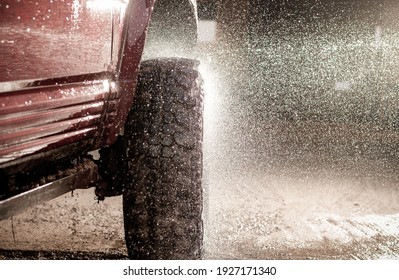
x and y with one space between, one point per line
162 197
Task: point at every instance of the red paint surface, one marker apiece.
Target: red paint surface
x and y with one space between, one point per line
61 46
53 38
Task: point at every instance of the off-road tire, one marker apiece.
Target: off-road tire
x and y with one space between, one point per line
162 197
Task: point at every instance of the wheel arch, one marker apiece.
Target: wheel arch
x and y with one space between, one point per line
173 28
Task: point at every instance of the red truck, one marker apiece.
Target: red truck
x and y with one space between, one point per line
84 102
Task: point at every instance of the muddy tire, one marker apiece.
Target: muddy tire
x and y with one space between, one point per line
162 196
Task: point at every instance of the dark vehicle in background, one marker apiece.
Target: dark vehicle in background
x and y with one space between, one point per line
73 81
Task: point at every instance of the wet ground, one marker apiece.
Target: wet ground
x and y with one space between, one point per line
278 217
312 199
307 190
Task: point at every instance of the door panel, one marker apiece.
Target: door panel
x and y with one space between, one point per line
54 38
56 74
